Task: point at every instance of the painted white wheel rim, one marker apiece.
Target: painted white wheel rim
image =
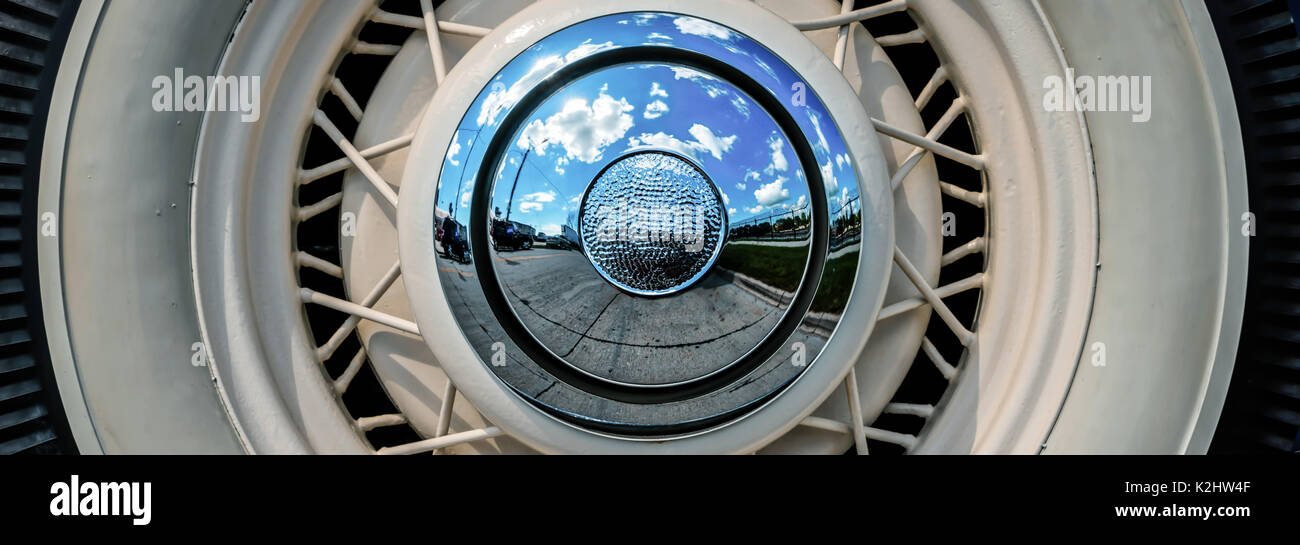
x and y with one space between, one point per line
1003 398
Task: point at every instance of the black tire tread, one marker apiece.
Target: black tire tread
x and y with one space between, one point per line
31 415
1260 44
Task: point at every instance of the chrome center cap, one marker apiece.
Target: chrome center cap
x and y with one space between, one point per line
652 223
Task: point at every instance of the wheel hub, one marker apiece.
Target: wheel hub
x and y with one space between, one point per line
684 308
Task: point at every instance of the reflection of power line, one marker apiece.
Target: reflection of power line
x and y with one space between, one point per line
547 179
460 182
846 204
522 162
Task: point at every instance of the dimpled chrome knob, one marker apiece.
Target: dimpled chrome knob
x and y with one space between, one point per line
652 223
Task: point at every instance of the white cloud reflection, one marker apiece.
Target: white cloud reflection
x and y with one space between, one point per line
710 84
453 152
582 128
779 162
502 97
700 27
655 109
705 141
772 193
828 177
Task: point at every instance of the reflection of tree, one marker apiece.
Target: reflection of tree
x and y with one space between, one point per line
846 224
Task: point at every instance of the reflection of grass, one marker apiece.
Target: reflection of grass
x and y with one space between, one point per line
778 266
782 267
837 281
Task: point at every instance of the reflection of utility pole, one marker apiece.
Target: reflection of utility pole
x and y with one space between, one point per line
460 182
510 205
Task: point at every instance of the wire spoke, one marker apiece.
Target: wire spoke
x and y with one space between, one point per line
974 161
445 441
435 42
826 424
939 78
396 19
932 352
445 413
315 209
367 48
309 295
368 423
973 247
905 169
964 335
876 434
844 18
340 165
338 90
901 439
855 411
974 198
948 290
341 384
326 350
842 44
950 115
910 409
940 127
912 37
458 29
385 190
312 262
463 30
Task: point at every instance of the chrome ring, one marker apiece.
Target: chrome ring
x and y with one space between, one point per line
791 264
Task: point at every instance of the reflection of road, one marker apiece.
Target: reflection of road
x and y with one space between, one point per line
515 257
848 249
585 320
582 318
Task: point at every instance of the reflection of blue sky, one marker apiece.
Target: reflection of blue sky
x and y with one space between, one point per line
576 132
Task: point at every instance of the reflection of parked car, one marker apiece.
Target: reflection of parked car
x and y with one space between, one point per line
560 243
451 235
569 238
511 234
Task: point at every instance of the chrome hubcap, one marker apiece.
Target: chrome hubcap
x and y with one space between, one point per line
682 309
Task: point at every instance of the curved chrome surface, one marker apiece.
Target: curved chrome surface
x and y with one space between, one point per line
648 343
